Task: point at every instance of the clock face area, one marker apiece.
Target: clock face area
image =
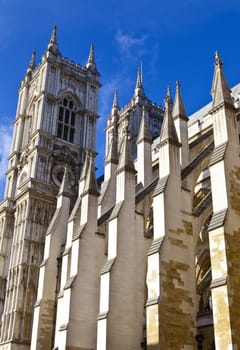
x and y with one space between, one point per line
57 176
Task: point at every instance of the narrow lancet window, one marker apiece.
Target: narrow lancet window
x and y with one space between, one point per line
66 120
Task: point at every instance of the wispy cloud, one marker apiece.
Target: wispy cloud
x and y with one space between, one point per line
129 45
131 49
6 138
153 60
106 97
124 85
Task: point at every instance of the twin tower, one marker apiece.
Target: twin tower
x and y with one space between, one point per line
145 258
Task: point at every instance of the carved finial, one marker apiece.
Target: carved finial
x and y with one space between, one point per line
53 39
85 166
139 78
168 131
144 133
53 45
125 158
168 91
91 59
115 106
112 154
178 106
220 90
91 55
218 61
32 64
139 91
168 98
64 188
115 100
91 182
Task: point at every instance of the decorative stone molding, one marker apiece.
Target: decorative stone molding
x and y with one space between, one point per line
161 185
218 153
108 266
152 301
155 246
218 282
217 220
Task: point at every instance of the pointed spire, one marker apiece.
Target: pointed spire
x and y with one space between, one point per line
168 131
112 155
125 158
220 90
91 182
144 132
169 96
115 100
139 78
178 106
139 90
83 175
64 188
32 63
53 45
85 167
53 39
115 105
91 59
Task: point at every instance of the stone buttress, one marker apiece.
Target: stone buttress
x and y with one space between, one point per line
49 273
170 306
121 317
181 124
108 187
224 225
78 299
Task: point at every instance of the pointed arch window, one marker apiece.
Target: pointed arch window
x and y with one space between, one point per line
66 120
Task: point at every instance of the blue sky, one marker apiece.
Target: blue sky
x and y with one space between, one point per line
174 40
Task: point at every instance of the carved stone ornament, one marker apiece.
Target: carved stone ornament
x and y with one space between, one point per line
64 155
57 175
23 158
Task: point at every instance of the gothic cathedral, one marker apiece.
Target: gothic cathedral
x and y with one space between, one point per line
144 257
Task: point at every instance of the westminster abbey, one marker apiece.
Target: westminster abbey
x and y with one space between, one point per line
144 257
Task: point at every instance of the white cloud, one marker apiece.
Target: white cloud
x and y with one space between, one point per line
6 139
129 45
153 61
124 84
131 50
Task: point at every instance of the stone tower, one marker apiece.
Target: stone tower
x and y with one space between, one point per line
131 115
55 125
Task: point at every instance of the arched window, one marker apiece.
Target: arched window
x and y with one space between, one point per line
66 120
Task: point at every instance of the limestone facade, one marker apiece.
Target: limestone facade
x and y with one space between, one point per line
145 258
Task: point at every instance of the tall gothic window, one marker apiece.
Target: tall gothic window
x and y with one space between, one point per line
66 120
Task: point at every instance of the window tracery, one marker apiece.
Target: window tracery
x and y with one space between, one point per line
66 120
